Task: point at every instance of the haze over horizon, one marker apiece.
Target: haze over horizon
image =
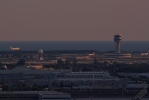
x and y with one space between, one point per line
74 20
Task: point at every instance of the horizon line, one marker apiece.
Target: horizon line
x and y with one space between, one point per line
70 40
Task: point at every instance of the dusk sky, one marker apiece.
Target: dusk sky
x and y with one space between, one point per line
74 20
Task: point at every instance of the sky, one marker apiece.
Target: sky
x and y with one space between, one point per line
74 20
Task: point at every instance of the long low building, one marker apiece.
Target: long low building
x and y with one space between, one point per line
41 77
34 95
25 73
118 55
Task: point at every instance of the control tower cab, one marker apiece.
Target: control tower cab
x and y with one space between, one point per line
117 40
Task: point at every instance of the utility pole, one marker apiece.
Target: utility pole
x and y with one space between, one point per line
93 80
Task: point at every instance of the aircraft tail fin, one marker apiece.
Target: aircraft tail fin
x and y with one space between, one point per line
11 47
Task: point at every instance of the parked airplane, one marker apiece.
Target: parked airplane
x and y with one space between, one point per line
92 54
144 54
3 67
15 49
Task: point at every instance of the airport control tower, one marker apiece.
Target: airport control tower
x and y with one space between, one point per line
117 40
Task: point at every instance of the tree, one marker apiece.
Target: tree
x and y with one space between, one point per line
75 62
36 87
61 85
21 62
25 86
5 88
60 62
136 82
72 85
19 86
54 84
67 62
95 61
105 63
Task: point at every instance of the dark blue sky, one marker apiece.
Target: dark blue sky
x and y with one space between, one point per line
87 20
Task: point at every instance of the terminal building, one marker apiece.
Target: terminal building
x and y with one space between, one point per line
25 73
41 77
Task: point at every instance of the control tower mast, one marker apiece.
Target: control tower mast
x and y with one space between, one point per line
117 40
